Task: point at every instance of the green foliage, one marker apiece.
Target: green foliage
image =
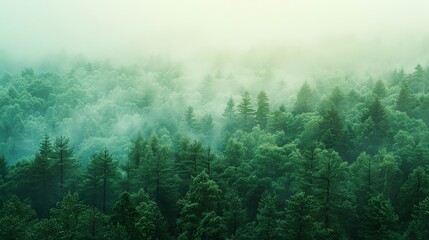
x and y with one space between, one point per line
380 219
261 114
340 163
268 225
304 100
419 226
300 222
245 113
16 218
202 198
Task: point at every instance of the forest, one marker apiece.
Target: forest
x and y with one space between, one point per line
104 151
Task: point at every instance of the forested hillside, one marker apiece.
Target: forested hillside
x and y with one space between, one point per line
142 152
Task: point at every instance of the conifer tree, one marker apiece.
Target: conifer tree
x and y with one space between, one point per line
268 225
263 109
304 100
380 219
246 113
300 222
64 162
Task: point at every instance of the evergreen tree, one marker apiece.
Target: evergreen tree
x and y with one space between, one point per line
49 229
160 180
246 114
419 226
91 181
380 219
300 222
64 162
202 198
67 214
151 223
412 191
332 129
263 110
329 190
380 89
16 218
336 98
190 118
405 102
125 214
268 218
3 168
108 173
42 181
234 214
376 125
304 100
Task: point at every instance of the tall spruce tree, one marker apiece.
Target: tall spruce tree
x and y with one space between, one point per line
246 113
262 110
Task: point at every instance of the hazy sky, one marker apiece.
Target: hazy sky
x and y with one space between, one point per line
107 28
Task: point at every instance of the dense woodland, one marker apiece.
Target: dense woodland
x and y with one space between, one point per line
103 152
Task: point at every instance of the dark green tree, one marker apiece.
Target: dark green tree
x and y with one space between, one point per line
246 113
268 225
234 213
304 100
108 173
300 222
42 178
380 219
202 198
419 226
151 224
405 101
64 163
190 120
16 218
379 89
262 110
412 191
125 214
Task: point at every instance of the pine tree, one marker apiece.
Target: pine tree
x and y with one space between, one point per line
405 102
268 218
67 214
418 229
4 170
91 181
125 214
300 222
246 114
412 191
160 181
377 129
42 178
379 89
329 191
263 110
229 117
64 162
234 213
151 223
202 197
109 171
16 218
332 129
337 98
190 118
304 100
380 219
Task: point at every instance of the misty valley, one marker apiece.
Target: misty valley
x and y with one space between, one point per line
160 150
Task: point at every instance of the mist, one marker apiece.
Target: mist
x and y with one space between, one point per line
307 33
